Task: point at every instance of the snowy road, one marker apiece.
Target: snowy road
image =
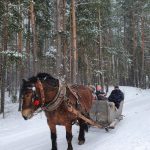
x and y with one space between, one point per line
132 133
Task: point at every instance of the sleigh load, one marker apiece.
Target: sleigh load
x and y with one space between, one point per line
105 113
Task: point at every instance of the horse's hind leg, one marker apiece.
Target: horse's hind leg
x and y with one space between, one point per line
83 127
69 135
53 135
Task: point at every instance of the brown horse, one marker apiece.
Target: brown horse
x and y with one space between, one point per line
45 92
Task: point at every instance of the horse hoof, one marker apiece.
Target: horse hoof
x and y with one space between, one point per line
81 142
70 148
54 149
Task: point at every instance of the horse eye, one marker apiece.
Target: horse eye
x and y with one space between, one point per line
27 95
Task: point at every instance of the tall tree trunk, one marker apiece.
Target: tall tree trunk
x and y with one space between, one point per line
28 46
142 53
100 59
5 40
74 43
19 43
134 58
64 42
34 45
19 65
60 30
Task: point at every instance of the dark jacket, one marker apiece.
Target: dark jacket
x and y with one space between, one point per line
116 96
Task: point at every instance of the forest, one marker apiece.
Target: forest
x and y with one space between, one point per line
89 42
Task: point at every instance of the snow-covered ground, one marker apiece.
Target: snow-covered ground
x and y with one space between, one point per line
132 133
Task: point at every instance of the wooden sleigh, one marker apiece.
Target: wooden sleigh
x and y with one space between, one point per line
105 113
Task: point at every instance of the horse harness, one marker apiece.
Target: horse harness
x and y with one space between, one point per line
58 99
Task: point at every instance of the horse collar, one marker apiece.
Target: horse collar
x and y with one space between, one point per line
58 99
55 103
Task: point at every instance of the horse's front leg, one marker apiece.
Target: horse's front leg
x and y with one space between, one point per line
69 135
53 135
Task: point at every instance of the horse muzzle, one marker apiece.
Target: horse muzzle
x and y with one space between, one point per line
27 114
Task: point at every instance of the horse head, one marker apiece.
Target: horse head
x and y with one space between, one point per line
33 92
29 98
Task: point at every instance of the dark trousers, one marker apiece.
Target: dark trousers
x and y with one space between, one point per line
117 104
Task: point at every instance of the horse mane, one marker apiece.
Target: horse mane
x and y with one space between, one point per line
44 77
49 78
33 79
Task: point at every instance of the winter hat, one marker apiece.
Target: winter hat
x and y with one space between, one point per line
98 87
116 87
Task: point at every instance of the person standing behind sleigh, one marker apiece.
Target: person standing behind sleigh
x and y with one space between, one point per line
116 96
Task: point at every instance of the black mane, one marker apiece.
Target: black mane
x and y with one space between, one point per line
43 77
49 78
33 79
